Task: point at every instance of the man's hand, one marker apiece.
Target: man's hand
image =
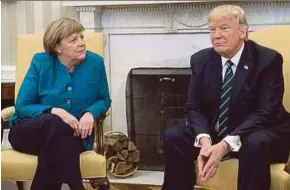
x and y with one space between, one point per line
205 143
67 118
214 154
86 125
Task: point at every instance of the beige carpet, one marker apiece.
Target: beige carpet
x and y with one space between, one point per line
8 185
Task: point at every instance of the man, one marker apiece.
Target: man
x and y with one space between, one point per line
234 109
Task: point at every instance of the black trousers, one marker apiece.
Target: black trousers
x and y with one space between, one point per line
259 149
58 151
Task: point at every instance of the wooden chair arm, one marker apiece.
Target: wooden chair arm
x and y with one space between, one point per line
99 132
287 167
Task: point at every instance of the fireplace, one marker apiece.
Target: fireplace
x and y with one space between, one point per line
155 100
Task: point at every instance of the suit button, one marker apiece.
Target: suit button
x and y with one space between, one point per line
69 88
68 101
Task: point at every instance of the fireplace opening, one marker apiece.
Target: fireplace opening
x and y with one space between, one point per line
155 100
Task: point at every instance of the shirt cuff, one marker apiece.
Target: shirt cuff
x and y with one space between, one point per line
198 137
234 142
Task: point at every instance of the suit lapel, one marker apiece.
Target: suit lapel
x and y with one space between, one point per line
245 66
215 70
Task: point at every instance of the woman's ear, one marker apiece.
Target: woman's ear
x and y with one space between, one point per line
58 49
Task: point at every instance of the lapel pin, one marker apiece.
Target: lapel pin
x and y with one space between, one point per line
246 67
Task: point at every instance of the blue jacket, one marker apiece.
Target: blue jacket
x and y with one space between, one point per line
48 84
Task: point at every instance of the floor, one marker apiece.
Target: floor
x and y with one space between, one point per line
9 185
5 185
141 180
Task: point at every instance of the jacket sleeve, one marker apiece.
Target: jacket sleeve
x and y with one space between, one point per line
270 98
27 105
103 101
196 118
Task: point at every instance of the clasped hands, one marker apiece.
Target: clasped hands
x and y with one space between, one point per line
82 128
210 157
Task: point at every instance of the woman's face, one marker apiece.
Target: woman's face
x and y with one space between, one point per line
72 48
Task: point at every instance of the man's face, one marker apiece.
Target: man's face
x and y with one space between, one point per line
73 47
226 35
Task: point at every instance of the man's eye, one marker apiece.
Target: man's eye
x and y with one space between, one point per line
224 28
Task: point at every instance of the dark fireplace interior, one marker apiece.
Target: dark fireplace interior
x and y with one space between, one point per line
155 100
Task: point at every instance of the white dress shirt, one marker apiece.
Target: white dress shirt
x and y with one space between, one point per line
233 141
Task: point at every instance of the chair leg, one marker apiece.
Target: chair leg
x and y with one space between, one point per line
100 183
20 185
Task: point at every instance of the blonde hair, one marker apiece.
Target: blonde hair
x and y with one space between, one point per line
58 30
231 11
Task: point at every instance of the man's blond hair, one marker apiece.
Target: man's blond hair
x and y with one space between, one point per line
231 11
58 30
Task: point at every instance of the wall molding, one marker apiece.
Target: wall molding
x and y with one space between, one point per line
7 74
173 17
157 6
189 5
114 3
86 8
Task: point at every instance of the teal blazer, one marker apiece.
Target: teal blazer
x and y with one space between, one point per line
48 84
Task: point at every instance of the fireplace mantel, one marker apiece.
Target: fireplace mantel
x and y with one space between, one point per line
119 3
116 3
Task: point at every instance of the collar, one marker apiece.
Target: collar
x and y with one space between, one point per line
235 59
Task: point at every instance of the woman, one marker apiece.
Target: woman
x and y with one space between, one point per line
64 91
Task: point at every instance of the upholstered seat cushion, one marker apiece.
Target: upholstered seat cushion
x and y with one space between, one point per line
227 175
19 166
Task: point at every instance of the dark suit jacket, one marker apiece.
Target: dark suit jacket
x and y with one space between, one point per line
256 96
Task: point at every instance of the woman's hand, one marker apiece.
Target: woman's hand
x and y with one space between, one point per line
86 125
67 118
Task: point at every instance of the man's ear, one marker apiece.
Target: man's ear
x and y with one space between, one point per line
242 32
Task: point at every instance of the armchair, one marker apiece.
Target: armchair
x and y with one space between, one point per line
21 167
227 174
